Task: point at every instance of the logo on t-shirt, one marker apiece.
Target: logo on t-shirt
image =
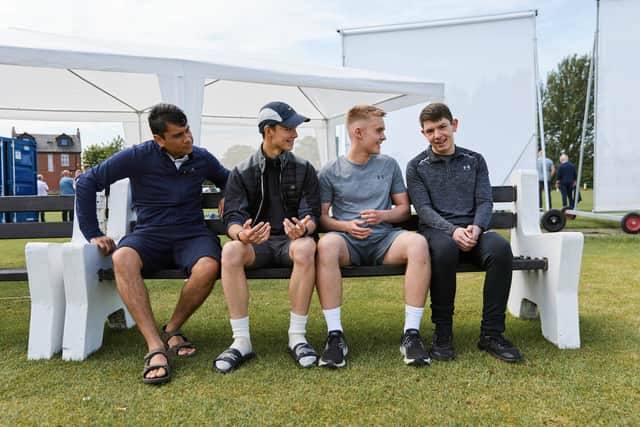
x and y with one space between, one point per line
379 176
466 167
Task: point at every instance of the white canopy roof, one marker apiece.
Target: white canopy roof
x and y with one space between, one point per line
54 77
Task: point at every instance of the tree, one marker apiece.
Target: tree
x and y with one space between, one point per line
95 154
307 148
563 102
235 154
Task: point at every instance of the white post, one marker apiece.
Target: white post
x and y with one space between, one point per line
187 92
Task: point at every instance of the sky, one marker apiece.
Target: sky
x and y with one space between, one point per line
290 30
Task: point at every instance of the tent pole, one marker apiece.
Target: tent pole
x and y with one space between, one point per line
586 114
543 145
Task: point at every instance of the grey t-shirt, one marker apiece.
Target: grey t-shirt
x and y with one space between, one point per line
352 188
539 166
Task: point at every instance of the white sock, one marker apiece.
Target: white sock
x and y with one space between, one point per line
297 331
412 317
332 317
241 340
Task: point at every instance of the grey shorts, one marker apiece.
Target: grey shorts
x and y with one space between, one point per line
272 253
370 251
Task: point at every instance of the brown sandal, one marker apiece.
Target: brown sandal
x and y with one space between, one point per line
149 367
166 336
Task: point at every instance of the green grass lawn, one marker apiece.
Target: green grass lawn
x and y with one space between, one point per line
598 384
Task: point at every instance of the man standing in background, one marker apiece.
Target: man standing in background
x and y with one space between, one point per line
541 164
43 190
67 189
566 180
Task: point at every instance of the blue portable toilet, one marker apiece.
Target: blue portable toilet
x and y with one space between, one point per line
21 171
3 173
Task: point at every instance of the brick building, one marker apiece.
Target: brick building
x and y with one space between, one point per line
55 154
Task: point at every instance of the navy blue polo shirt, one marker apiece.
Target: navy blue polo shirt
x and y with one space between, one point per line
162 195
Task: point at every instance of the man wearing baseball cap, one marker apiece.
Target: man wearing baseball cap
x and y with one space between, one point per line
272 206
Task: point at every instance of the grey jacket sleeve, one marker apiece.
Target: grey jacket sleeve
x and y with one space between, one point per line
484 196
422 202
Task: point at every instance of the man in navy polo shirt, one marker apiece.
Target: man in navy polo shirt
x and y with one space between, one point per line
166 176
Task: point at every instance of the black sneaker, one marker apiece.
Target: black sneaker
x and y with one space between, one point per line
442 347
499 347
412 348
335 349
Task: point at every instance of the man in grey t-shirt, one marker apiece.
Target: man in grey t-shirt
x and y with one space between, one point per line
366 194
543 163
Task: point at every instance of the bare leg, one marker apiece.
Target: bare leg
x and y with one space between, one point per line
412 249
332 253
235 256
197 288
303 277
126 266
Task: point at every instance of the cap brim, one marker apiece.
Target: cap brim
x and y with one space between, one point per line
295 120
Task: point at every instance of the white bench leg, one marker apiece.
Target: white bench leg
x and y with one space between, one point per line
46 287
89 301
555 291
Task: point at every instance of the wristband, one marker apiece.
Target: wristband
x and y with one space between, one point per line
238 235
306 231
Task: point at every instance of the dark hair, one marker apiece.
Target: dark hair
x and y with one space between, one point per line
161 114
434 112
265 123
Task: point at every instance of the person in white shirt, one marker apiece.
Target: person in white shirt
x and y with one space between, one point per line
43 190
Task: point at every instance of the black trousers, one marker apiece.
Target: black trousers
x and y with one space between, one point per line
541 192
568 192
492 254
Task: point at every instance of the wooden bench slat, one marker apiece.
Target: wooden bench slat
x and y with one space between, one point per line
519 263
504 194
24 230
501 194
13 275
36 203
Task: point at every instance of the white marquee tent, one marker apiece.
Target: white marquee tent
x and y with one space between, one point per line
50 77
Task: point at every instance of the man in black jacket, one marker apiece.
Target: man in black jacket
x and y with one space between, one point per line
450 190
272 206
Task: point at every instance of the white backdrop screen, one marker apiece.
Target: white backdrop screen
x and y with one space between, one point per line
617 157
489 75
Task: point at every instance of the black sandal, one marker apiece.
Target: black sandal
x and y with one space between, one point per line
233 357
149 367
302 350
166 336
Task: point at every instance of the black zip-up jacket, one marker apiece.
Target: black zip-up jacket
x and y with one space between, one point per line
450 193
244 191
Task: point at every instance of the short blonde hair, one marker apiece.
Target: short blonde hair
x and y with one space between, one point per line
363 112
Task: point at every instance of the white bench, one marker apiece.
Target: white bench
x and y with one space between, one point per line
68 308
547 283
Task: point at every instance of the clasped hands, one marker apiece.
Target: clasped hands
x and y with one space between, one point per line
359 228
466 238
294 228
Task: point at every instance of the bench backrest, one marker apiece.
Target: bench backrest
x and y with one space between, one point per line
499 220
22 230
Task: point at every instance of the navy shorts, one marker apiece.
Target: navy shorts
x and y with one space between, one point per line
172 247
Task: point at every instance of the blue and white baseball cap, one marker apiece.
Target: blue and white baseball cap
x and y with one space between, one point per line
279 113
